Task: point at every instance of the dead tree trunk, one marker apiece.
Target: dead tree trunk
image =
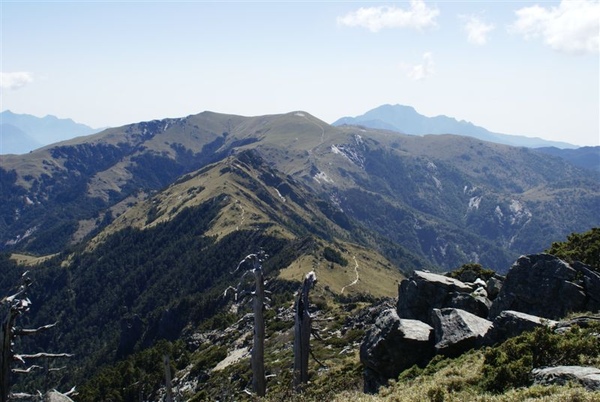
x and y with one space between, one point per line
258 348
169 390
257 359
7 354
302 330
18 304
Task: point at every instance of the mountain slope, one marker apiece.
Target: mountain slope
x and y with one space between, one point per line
162 266
446 199
406 120
584 157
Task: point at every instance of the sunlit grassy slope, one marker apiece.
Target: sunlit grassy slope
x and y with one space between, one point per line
255 201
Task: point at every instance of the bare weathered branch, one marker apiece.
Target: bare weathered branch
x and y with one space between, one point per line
33 331
317 360
70 392
23 395
27 370
249 257
41 355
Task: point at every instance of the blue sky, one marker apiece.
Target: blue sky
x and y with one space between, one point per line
529 68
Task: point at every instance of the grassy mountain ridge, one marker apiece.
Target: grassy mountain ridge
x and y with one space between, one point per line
454 199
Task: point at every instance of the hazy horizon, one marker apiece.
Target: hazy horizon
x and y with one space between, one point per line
516 68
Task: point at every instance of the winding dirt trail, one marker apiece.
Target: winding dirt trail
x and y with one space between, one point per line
241 222
318 125
357 277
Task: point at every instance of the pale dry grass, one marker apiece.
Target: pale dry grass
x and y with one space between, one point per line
376 276
457 383
537 394
29 260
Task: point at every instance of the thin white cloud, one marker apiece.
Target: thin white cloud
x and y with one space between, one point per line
417 16
421 71
572 27
476 29
15 80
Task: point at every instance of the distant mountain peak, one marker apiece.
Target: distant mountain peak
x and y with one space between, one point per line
405 119
38 131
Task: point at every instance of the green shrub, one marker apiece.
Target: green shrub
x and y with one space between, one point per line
584 247
436 394
509 365
332 255
219 321
477 271
209 358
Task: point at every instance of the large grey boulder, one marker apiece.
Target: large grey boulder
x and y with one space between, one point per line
457 331
424 291
494 285
589 377
471 302
545 286
510 323
393 345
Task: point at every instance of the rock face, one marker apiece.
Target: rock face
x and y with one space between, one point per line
457 331
589 377
394 345
546 286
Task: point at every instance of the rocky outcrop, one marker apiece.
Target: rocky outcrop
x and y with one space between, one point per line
589 377
392 346
546 286
436 314
457 331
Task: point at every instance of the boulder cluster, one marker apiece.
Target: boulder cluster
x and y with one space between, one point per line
439 315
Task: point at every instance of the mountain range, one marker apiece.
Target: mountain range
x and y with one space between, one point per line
132 235
443 199
21 133
406 120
